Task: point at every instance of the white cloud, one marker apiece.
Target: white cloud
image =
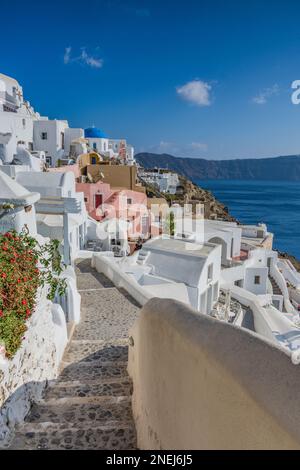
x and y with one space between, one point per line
264 95
90 60
83 58
67 55
196 92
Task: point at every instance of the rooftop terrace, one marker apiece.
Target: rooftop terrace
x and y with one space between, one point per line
180 247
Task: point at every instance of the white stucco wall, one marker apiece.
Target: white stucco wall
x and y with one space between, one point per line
229 232
101 144
249 282
72 134
202 384
53 144
48 184
23 378
20 127
252 230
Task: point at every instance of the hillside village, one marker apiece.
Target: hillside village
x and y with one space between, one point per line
159 288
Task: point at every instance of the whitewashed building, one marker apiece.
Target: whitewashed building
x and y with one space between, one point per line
23 129
113 148
165 181
228 271
61 211
16 119
55 138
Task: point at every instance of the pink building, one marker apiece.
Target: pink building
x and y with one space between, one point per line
95 195
132 207
103 202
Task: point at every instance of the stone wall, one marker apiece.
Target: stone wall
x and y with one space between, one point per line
203 384
23 378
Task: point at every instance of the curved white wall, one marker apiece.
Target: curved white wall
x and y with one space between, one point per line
202 384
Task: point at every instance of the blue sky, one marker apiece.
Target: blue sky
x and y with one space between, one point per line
192 78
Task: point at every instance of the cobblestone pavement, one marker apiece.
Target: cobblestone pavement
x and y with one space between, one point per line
89 405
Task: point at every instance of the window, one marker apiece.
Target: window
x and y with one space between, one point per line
256 280
24 123
85 199
62 137
94 146
44 136
210 272
129 201
9 109
30 146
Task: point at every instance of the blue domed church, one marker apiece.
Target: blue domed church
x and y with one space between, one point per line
97 139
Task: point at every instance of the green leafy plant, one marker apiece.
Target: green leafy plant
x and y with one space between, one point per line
170 224
25 265
12 330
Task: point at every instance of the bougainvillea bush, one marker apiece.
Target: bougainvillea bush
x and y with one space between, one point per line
25 265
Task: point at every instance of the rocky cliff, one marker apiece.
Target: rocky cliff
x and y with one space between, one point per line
192 194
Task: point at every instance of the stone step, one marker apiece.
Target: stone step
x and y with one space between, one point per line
106 315
92 371
99 400
111 387
83 266
93 280
111 436
92 363
92 411
275 286
97 350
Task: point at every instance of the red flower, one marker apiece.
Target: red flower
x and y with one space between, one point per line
18 281
3 275
24 302
1 313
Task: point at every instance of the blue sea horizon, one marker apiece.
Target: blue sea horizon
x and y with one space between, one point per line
276 203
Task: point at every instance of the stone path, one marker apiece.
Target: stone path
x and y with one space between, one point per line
89 405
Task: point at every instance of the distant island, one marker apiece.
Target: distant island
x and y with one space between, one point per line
278 168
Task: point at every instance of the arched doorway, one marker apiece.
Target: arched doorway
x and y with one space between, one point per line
220 241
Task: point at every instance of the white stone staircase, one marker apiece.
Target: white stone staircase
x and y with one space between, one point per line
275 287
142 256
89 405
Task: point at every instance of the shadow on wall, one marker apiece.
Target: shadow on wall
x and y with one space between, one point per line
199 383
16 406
71 415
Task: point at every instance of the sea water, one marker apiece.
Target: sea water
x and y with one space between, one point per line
276 203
